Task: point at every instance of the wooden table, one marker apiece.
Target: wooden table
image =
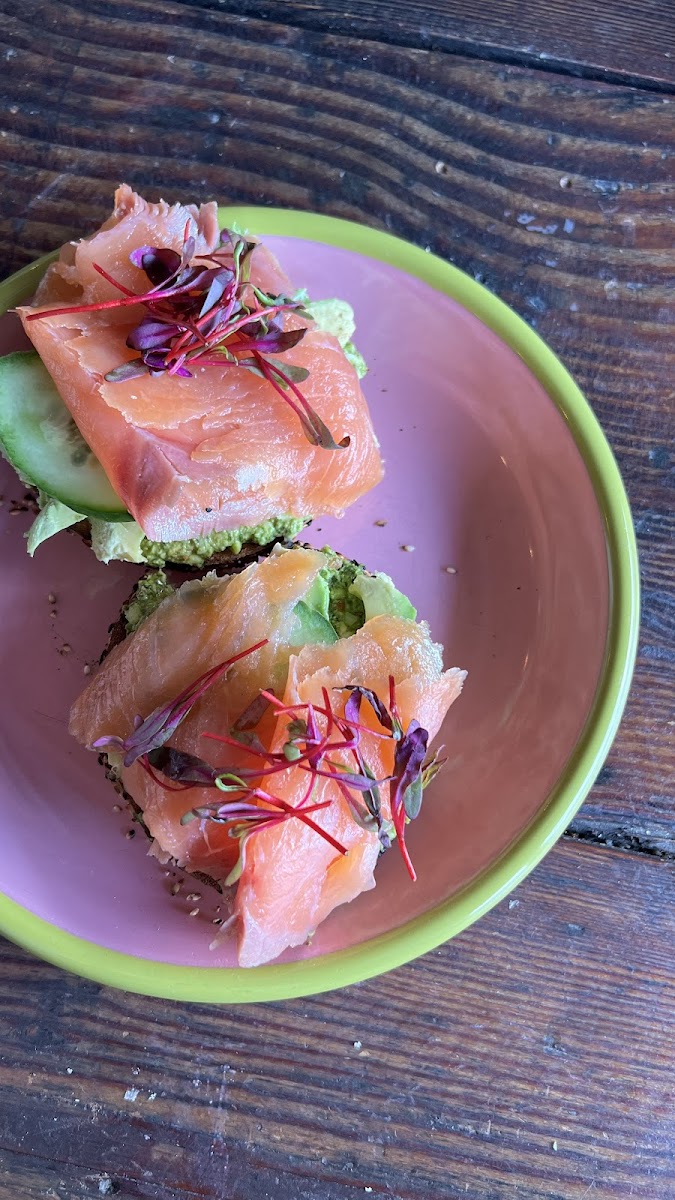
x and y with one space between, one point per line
534 146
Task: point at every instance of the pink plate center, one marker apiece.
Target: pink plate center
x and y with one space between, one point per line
482 476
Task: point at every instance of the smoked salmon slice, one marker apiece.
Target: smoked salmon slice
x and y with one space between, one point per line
294 729
214 450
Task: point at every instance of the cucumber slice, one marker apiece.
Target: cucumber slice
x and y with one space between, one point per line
42 442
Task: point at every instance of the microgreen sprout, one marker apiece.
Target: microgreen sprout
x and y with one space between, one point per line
202 310
322 741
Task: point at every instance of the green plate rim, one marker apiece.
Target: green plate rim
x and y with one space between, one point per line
431 929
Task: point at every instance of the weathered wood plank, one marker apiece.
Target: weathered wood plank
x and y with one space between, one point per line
571 35
529 1057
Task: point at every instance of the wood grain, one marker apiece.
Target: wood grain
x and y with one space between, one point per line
609 40
530 1057
462 156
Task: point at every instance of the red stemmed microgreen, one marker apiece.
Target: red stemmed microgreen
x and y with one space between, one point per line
406 786
202 310
259 810
411 771
154 731
317 738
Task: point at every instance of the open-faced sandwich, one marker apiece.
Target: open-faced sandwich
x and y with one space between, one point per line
273 730
184 402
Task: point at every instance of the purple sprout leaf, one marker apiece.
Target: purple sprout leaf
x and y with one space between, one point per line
189 247
181 767
220 282
278 341
372 814
249 739
155 360
136 256
404 789
156 729
217 319
385 837
201 308
252 715
152 334
317 432
223 812
249 364
408 762
109 742
128 370
313 736
353 705
360 783
293 373
159 263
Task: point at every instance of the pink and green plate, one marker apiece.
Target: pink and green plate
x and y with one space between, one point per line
524 564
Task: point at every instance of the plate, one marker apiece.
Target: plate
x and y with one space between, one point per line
502 515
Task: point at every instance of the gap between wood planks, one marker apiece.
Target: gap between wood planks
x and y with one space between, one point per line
620 839
319 22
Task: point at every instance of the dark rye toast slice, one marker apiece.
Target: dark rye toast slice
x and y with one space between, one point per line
136 813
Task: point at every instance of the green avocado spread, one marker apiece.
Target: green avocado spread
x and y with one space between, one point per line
337 317
194 552
346 612
355 596
150 591
342 597
124 541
